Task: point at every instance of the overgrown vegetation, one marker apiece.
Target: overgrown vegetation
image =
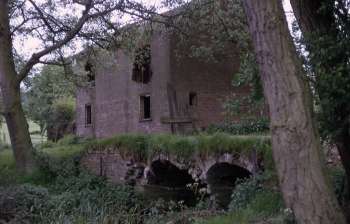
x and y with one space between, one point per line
61 192
244 127
70 199
49 101
203 145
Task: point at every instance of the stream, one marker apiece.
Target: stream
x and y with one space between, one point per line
222 194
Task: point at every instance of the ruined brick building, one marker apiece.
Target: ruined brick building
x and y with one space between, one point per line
168 91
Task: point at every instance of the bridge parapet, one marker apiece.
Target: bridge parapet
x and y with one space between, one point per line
146 165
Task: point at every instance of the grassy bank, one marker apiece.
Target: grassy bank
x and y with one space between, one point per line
60 192
34 130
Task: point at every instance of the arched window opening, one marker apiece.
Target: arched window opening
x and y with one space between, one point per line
142 71
89 73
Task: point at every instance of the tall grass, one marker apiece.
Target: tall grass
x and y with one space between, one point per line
145 146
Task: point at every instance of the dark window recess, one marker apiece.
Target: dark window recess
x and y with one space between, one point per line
142 71
145 107
89 72
88 115
193 99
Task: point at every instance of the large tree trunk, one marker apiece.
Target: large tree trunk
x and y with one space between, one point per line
295 140
312 22
10 90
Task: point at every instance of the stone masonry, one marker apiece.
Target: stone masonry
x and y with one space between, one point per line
184 93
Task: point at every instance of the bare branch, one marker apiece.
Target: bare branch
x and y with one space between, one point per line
42 16
70 34
53 63
35 58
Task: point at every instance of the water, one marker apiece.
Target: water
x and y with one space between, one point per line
222 194
155 192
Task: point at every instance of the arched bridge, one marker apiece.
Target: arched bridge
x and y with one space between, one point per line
164 168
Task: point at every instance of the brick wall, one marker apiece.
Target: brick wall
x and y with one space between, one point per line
116 97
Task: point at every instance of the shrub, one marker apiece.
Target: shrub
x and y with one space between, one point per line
253 202
47 144
340 184
245 191
80 195
245 127
74 197
22 204
69 140
84 197
61 118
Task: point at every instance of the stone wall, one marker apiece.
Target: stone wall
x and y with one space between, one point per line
116 97
121 169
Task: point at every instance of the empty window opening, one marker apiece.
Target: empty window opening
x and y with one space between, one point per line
88 115
193 99
89 73
142 71
145 107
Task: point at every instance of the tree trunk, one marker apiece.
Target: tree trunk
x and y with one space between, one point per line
10 90
295 140
310 21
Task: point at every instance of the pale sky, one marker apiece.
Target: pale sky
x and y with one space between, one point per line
26 46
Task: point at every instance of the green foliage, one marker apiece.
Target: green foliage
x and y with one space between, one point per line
244 127
69 140
62 117
212 27
208 29
23 203
8 174
69 195
253 202
246 105
245 191
49 100
184 147
328 47
340 184
82 197
265 206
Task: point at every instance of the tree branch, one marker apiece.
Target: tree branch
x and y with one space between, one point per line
42 16
35 58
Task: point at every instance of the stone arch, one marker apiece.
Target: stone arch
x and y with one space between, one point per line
164 173
222 178
226 174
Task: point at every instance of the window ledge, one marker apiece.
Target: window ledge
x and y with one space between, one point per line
145 120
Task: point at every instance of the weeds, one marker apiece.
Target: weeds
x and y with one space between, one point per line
145 146
60 192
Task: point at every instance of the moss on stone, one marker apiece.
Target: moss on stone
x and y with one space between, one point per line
145 146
